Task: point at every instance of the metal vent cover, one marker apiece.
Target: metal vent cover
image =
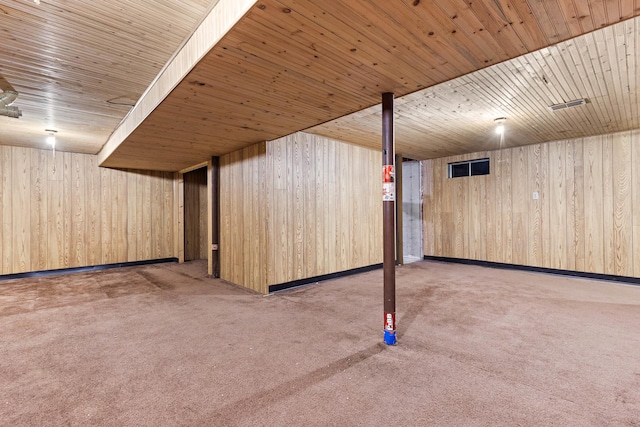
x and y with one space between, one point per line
569 104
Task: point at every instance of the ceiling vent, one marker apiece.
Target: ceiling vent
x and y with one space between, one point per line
570 104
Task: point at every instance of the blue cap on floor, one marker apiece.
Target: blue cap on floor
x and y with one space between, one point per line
390 337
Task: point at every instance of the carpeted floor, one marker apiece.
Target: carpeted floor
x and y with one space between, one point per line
163 345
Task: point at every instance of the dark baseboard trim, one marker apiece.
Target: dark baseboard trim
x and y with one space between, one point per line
44 273
596 276
322 278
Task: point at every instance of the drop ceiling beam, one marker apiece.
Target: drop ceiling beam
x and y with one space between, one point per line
219 21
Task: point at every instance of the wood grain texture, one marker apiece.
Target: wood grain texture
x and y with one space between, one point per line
577 233
428 229
178 212
622 205
6 183
558 203
458 115
635 202
348 220
608 205
64 211
217 22
21 205
107 217
134 225
594 187
39 209
243 218
506 204
93 201
103 56
288 65
55 212
497 172
570 207
289 210
585 217
520 199
534 185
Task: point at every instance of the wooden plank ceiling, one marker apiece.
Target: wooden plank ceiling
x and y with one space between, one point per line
289 65
458 116
79 66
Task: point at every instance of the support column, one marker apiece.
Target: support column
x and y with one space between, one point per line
215 217
388 219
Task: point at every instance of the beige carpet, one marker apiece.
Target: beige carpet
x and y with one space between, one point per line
163 345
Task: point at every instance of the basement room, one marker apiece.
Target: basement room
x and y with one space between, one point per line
329 213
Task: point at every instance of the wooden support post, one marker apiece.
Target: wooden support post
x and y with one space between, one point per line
388 219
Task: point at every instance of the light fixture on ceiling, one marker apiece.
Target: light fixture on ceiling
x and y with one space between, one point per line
500 125
51 139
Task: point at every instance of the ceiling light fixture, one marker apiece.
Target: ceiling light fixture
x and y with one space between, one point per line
500 122
51 139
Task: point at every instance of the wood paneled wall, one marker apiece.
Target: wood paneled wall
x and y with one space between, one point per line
325 206
299 207
195 215
243 217
66 212
587 216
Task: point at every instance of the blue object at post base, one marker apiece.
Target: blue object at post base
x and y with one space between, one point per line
390 337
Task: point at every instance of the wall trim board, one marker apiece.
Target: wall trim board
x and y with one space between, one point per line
71 270
504 266
322 278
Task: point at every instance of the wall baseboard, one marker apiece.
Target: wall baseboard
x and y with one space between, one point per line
504 266
44 273
322 278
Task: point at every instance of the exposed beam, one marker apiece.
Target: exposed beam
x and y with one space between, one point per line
219 21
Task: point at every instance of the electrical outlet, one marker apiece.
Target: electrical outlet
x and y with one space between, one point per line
536 196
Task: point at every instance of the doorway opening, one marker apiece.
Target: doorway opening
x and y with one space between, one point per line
195 215
412 212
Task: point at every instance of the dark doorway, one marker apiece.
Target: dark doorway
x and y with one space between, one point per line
195 214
